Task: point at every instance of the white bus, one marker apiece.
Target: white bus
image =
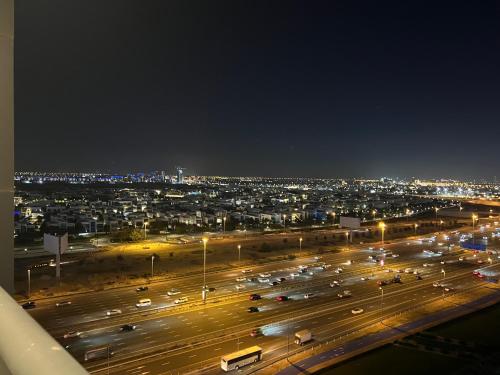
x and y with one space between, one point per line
99 352
241 358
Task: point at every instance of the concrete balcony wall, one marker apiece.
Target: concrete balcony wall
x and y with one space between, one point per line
7 144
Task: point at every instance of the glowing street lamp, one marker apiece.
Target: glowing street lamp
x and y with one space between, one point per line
374 212
300 243
239 253
474 218
347 239
382 226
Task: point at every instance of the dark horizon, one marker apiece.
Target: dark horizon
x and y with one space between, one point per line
325 89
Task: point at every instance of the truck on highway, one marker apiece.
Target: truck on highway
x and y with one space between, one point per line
303 337
98 352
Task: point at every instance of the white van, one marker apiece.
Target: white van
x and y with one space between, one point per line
143 302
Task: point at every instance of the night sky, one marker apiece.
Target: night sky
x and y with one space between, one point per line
259 88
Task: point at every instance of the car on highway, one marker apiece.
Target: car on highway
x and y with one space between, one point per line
142 289
113 312
365 278
128 327
461 259
395 255
173 292
273 283
437 284
418 277
344 294
294 274
63 303
281 279
339 270
448 289
426 264
325 266
252 309
263 280
382 282
282 298
29 305
240 287
309 295
357 310
265 274
72 334
254 297
408 270
318 257
388 270
143 302
335 283
180 300
240 279
256 332
246 271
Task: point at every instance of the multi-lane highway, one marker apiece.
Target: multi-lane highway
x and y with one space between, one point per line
172 337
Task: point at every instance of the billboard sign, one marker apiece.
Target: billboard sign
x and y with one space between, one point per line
55 244
350 222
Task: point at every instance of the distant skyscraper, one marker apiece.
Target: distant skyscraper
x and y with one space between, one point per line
180 175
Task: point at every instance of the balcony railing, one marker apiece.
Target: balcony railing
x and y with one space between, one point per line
26 348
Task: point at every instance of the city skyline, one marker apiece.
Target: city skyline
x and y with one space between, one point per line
328 90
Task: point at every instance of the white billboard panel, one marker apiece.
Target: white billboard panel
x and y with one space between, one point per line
55 243
350 222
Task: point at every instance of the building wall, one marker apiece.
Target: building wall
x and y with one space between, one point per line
7 144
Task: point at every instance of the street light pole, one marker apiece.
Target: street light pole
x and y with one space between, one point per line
239 253
145 235
444 276
284 223
152 265
381 301
347 239
416 226
300 243
204 292
382 227
29 283
224 224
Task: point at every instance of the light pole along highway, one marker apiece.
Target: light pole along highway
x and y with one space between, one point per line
204 288
382 226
